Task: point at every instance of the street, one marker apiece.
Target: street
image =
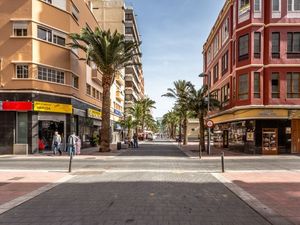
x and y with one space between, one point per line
156 184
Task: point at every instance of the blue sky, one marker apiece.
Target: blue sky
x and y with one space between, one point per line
173 33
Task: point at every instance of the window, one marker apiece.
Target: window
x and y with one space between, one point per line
225 95
225 30
51 75
275 85
293 85
215 95
216 45
256 85
244 47
128 16
257 44
225 63
75 81
244 4
293 5
243 87
233 52
234 14
22 71
98 95
216 72
88 89
48 1
275 45
94 92
128 30
234 85
22 128
75 12
257 5
293 45
59 40
45 34
275 5
20 29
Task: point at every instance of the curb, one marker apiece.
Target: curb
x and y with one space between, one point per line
267 213
22 199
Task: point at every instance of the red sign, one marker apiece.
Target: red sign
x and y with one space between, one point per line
209 123
17 106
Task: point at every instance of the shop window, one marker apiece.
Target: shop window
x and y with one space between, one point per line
20 29
243 87
22 128
225 63
244 47
293 45
257 45
275 85
256 85
75 81
293 85
216 72
88 89
22 71
275 45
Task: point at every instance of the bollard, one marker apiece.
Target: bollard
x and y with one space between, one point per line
70 163
222 161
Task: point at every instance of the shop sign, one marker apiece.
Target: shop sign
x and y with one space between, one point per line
294 114
117 112
91 113
79 112
250 136
53 107
16 106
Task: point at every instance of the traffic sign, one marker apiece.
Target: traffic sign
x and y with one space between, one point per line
209 123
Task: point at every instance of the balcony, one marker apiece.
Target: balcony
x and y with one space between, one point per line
119 79
119 96
97 76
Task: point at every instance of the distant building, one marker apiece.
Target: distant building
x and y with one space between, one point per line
252 57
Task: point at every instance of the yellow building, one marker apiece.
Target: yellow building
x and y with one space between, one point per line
43 85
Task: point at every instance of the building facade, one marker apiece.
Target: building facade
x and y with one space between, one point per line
44 86
252 62
134 78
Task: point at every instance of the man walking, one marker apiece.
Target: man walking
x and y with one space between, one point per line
135 141
56 142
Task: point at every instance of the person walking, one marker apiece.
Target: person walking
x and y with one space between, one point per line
56 143
135 141
72 143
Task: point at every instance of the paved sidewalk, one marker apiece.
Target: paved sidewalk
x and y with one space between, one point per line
192 150
279 191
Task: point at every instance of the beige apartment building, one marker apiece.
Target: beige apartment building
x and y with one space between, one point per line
44 87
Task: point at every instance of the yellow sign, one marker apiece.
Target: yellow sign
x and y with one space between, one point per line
53 107
94 114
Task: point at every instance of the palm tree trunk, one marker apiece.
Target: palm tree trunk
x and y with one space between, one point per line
105 130
185 138
180 128
201 130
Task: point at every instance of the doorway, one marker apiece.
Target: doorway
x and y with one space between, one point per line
46 132
296 136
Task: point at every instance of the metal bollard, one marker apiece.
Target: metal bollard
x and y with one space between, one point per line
222 162
70 163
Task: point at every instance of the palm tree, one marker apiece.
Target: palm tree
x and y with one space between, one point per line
128 123
110 53
197 103
180 93
137 113
169 122
147 105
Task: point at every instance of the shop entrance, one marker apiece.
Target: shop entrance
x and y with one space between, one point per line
46 132
295 136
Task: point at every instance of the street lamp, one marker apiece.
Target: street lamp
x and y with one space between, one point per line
208 103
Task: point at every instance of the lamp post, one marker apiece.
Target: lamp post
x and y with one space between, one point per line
208 106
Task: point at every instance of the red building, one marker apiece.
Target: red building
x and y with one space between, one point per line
252 57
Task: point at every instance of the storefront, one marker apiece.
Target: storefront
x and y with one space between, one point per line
51 117
267 132
92 132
